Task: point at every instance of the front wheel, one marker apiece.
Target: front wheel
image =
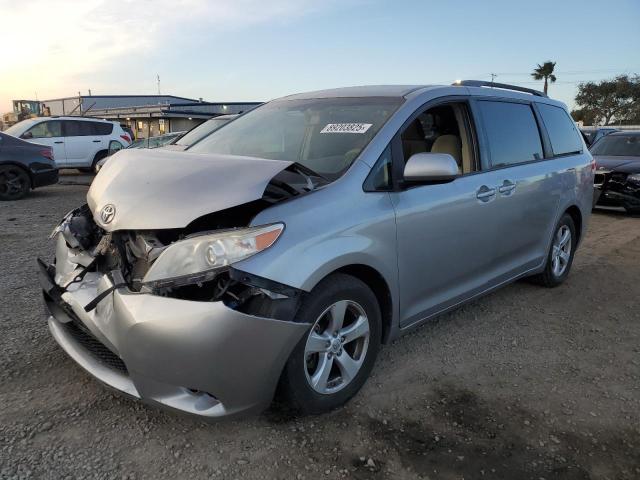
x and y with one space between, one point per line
331 363
14 183
560 257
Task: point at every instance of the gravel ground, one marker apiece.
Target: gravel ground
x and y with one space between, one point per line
524 383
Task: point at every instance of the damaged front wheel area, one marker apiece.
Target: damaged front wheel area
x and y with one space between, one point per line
330 364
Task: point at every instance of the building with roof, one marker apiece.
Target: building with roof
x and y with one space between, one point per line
146 115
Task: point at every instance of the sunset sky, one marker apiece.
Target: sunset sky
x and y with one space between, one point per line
246 50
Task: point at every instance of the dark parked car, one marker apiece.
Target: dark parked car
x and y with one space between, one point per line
198 133
23 166
592 134
617 178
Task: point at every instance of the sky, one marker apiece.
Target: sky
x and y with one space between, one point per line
256 50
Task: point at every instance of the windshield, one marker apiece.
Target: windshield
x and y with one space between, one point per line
19 128
202 131
618 146
325 135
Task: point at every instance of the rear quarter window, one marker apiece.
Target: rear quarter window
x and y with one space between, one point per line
99 128
512 132
563 133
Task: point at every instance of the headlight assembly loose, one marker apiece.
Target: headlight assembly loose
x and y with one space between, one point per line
199 258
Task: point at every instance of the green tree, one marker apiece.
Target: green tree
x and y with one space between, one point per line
545 72
610 101
580 115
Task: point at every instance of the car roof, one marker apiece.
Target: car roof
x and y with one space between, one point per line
404 91
622 133
358 91
70 117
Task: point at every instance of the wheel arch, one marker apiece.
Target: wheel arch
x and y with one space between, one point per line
100 154
380 288
576 215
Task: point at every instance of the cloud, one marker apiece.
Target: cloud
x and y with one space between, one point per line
56 42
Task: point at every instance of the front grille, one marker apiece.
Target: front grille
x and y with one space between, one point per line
85 338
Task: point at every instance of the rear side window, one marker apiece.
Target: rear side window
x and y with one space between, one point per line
561 129
78 128
512 132
99 128
73 128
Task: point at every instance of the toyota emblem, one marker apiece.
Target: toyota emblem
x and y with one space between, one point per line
107 213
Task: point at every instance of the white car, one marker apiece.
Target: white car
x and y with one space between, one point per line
77 142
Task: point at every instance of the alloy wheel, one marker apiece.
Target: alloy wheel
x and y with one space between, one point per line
13 183
336 347
561 251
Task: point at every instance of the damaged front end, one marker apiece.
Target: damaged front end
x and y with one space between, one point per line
163 315
191 263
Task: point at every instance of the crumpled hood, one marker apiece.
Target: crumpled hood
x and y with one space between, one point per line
617 163
142 189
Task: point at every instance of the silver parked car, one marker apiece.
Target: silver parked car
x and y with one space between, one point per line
282 250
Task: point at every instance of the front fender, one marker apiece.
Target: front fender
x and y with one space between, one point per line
326 230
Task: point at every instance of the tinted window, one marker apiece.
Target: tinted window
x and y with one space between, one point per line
512 133
46 129
78 128
100 128
562 131
618 146
73 128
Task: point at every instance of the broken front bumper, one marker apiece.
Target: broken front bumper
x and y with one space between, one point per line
198 357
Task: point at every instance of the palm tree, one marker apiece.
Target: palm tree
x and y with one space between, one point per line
545 72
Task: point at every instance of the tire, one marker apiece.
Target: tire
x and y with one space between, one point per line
340 354
92 169
556 273
14 182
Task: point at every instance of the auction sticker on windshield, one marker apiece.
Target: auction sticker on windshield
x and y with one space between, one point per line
346 128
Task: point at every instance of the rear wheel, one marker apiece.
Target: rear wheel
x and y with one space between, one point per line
331 363
560 257
92 169
14 183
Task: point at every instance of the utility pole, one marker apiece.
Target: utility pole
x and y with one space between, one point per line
158 78
493 76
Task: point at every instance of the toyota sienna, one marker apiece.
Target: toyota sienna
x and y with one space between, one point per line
279 252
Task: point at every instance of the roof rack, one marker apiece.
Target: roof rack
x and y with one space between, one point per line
505 86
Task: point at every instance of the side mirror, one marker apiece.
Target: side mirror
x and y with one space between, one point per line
114 146
26 135
430 168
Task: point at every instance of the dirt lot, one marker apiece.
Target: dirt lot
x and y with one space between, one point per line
524 383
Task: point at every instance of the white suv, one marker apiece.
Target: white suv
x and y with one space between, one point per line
77 142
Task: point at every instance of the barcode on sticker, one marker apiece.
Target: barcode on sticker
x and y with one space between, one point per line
346 128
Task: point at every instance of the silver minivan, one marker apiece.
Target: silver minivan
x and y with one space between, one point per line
278 253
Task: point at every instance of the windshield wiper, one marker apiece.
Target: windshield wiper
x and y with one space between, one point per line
307 172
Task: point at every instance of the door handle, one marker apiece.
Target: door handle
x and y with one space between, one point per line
507 187
59 141
485 193
97 141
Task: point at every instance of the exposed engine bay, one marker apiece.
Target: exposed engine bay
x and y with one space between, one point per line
131 253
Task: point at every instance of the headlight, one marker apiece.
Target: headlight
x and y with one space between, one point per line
198 259
62 223
634 177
